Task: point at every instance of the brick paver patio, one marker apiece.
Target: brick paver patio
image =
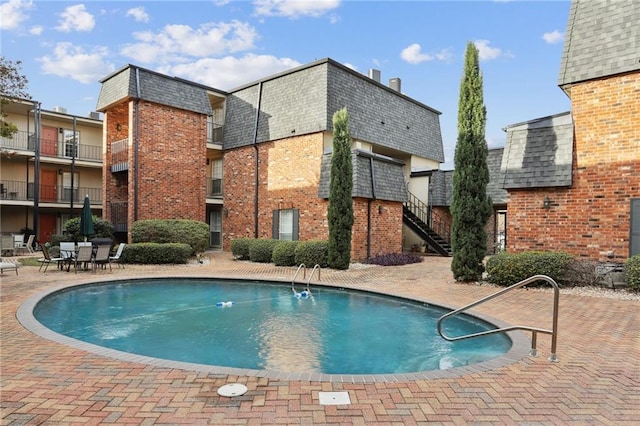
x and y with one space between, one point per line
596 381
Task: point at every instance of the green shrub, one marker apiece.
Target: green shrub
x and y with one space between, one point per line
103 228
156 253
506 269
191 232
395 259
240 248
312 253
261 250
632 272
284 253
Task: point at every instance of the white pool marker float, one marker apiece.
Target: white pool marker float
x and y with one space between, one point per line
232 389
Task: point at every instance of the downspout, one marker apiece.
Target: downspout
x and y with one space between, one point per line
136 118
373 197
36 168
257 162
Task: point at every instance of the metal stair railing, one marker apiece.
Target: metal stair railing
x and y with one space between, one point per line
534 330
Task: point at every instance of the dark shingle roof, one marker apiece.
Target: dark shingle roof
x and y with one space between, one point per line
441 184
388 179
538 153
602 38
133 82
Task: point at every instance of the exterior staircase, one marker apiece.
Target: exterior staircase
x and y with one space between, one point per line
431 228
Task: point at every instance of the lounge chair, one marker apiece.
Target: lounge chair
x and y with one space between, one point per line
102 257
22 246
47 259
83 257
116 258
7 265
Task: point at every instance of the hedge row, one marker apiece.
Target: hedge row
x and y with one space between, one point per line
191 232
506 269
281 253
156 253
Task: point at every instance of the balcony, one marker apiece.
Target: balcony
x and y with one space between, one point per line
24 141
214 133
119 216
24 191
214 188
120 156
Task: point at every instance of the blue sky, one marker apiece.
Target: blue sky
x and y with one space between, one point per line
66 47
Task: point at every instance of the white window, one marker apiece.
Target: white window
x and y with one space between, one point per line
285 224
71 143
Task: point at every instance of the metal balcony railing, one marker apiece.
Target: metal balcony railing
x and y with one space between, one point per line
24 191
24 141
214 188
120 155
119 216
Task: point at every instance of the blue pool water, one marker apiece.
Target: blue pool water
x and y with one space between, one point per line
332 332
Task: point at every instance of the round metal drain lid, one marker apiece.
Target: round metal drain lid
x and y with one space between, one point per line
232 389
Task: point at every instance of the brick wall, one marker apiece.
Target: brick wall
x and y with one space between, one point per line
592 218
289 174
172 162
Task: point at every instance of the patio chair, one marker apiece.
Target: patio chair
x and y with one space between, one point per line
102 257
7 265
18 241
83 257
20 245
47 259
116 258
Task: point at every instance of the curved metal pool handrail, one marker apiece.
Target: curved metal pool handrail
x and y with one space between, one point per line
553 332
293 282
316 267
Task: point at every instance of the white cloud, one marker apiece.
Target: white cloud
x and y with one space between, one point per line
553 37
230 72
73 62
76 18
36 30
485 52
294 8
413 54
139 14
12 13
178 41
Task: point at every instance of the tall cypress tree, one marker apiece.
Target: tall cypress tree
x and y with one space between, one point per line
340 214
470 205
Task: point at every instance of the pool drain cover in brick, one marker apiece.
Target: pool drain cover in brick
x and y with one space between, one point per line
334 398
232 389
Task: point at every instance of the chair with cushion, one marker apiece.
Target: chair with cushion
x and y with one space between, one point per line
7 265
116 258
47 259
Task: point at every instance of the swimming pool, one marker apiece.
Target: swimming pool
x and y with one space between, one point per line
266 328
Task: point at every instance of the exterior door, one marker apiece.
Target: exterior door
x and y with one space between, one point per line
47 227
49 141
48 186
634 240
215 229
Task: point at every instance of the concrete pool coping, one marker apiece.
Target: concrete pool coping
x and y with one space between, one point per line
520 348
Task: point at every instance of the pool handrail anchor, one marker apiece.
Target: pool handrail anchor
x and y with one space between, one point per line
534 337
304 272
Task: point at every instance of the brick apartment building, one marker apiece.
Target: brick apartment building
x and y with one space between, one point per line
46 169
255 161
574 179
